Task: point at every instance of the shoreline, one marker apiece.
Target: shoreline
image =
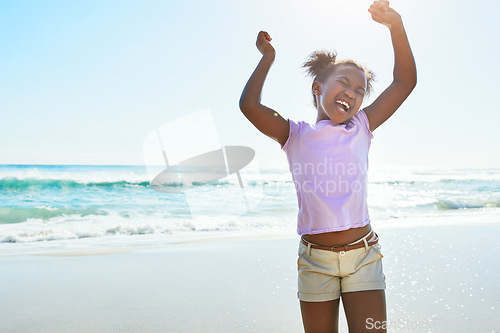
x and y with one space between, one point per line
160 240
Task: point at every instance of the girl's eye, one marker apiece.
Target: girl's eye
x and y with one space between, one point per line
342 82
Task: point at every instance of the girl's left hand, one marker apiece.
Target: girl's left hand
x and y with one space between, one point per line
382 13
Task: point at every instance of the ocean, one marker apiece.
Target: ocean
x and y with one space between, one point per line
47 206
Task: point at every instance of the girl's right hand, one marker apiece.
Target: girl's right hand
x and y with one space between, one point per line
264 43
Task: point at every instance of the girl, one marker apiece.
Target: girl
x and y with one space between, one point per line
339 254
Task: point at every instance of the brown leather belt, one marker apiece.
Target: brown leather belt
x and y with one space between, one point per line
341 248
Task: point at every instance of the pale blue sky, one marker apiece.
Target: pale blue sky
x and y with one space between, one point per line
84 82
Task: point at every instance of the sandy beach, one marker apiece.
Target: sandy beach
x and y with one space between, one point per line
440 279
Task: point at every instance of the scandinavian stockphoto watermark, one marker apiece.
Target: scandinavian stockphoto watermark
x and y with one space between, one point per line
434 324
400 324
185 160
328 176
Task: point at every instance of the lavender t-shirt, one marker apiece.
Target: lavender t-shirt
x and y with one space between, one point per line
329 164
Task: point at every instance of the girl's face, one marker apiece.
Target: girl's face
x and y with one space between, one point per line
340 96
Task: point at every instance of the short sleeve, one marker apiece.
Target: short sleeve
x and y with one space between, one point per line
364 122
292 133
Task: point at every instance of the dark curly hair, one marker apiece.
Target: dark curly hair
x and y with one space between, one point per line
320 64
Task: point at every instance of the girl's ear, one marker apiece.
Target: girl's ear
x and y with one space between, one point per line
316 88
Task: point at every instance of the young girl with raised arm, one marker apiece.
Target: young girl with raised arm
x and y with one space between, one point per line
339 254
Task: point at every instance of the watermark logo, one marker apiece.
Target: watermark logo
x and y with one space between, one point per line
184 157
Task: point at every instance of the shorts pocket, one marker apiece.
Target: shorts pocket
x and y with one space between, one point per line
369 256
377 248
302 249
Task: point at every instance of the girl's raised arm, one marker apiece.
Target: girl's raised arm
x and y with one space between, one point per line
405 72
262 117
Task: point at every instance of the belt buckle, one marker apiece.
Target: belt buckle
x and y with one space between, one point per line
341 252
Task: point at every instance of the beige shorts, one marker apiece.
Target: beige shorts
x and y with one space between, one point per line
324 275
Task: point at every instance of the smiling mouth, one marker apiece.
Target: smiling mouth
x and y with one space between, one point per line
342 105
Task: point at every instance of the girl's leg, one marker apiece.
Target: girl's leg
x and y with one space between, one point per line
365 311
320 317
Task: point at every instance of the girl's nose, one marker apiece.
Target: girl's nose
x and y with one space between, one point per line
349 94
